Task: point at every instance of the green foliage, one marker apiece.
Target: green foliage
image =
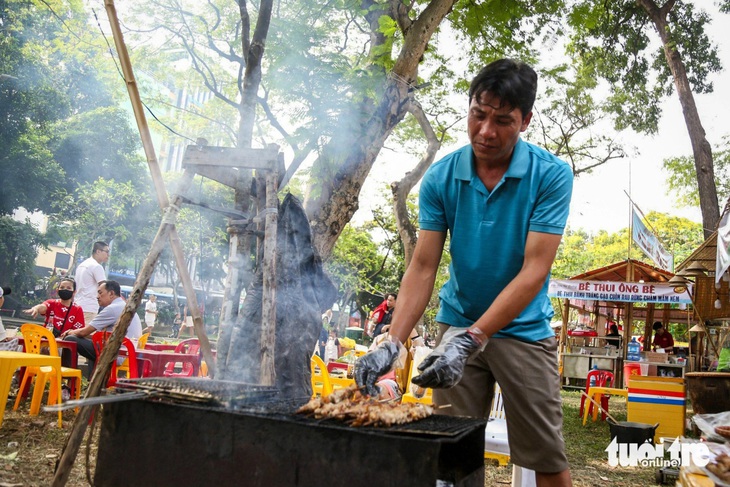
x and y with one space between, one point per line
581 252
611 40
682 180
50 99
353 261
99 143
19 243
99 211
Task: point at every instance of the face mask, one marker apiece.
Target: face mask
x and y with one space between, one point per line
65 294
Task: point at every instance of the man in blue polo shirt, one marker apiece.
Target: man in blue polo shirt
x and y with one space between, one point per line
505 204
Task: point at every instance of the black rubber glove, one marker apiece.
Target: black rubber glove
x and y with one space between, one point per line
371 366
444 367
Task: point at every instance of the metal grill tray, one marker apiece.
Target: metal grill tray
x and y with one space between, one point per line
262 401
196 390
435 425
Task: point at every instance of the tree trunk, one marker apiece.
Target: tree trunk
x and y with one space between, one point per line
402 188
336 203
700 146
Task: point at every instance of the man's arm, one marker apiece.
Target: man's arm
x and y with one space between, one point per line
106 318
80 332
417 284
99 275
540 251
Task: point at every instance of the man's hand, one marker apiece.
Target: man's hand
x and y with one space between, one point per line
444 367
372 365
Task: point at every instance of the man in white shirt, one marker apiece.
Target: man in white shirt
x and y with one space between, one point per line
88 276
109 297
150 314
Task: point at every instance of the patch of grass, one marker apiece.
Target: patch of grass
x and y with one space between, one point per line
585 448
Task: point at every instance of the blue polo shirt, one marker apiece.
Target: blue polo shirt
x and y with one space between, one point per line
489 230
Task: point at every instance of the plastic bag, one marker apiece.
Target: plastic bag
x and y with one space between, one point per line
723 362
707 423
11 345
419 353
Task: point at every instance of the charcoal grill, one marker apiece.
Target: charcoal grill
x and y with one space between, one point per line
246 435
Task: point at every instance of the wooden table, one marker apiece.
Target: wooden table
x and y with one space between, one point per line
10 361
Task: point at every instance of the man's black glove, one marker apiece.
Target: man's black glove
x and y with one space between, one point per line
444 367
376 363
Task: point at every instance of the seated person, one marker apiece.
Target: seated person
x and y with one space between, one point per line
66 314
613 337
109 297
61 314
382 315
662 338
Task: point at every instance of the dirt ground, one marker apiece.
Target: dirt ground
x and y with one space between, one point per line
31 446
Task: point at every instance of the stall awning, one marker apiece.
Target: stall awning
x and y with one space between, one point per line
628 292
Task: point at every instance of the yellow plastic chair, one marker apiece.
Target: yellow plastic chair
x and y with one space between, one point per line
34 336
427 397
141 343
321 385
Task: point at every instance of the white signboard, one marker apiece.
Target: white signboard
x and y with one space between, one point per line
723 247
627 292
649 243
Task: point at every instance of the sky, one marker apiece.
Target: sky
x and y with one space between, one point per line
599 199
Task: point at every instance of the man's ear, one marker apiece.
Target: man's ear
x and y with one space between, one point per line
526 122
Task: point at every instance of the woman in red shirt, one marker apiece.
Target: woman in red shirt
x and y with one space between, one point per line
61 314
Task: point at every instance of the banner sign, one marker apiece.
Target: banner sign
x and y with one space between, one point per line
723 247
649 243
627 292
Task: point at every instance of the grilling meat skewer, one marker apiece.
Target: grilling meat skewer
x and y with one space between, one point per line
350 405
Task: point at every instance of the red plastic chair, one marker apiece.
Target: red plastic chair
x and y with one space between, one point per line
100 338
604 378
191 345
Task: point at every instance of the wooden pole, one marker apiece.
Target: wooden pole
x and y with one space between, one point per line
167 231
110 351
158 182
564 315
137 107
268 311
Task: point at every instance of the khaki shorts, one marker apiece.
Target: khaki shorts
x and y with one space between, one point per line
527 372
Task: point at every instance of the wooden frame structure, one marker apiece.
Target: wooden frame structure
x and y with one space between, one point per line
219 164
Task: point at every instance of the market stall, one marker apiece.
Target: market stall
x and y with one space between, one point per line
608 295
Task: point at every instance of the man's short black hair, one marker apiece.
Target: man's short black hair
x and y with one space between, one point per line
657 325
99 246
512 81
112 286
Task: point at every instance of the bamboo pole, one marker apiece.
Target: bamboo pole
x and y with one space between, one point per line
562 347
167 231
110 351
158 182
